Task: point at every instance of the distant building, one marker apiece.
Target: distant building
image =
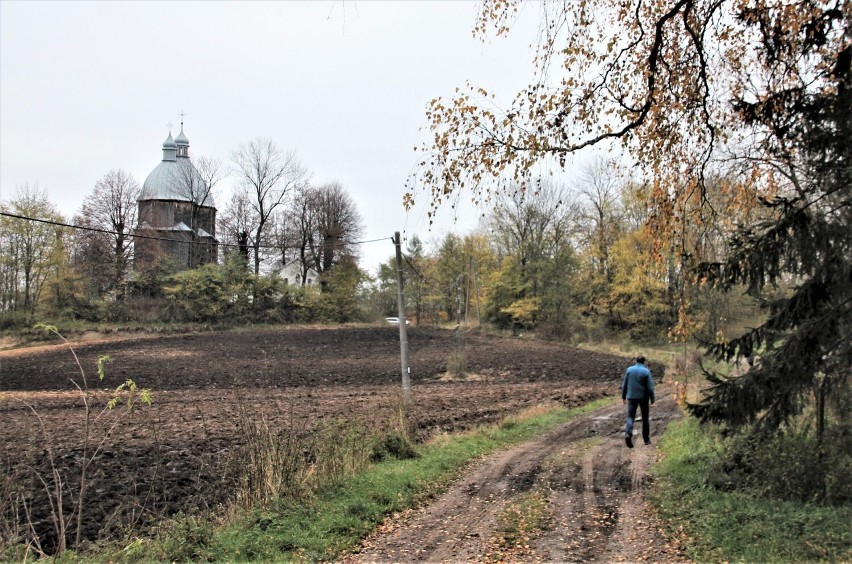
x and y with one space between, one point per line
291 273
177 216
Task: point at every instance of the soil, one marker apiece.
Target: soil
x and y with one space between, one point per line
594 509
168 457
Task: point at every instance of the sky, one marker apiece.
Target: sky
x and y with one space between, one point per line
86 87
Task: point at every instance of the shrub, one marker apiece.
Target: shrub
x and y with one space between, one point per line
396 445
13 320
783 465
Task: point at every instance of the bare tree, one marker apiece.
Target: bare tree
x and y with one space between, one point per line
533 233
212 171
196 187
526 225
338 225
299 230
236 221
602 215
266 176
111 207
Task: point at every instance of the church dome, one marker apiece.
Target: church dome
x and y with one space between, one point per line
175 179
181 138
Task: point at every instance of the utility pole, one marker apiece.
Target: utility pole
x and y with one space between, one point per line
476 293
467 291
403 332
458 311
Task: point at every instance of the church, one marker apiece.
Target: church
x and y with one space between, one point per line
176 214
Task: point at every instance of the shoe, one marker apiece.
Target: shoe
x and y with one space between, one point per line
648 442
629 441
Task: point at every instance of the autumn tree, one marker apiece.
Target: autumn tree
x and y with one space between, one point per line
339 301
689 89
266 175
447 277
416 272
414 266
383 295
638 300
443 282
533 234
67 293
93 256
482 261
27 248
105 255
601 224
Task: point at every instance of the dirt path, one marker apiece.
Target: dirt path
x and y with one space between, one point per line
573 495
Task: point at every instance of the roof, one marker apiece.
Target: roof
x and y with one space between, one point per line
176 180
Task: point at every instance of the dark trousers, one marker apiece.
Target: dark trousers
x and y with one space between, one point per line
632 404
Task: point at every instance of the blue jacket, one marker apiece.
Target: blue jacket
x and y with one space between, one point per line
638 383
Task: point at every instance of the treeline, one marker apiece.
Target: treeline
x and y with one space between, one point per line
570 262
278 234
573 263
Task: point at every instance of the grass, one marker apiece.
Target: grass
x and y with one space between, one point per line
733 525
335 518
717 522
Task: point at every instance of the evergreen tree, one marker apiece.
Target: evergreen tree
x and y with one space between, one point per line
803 350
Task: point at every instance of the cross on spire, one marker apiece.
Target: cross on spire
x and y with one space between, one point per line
182 113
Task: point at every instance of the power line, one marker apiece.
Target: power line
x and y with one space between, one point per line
413 268
138 236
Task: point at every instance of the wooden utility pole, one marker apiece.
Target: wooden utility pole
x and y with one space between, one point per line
403 332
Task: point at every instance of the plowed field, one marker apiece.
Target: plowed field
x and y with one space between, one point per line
166 458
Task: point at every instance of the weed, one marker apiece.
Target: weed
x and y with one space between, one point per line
394 445
293 460
52 482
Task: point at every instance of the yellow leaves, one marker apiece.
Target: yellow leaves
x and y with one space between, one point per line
599 53
408 200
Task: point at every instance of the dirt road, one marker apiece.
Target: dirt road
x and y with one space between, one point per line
573 495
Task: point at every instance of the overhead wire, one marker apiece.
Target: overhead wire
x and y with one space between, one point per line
232 245
139 236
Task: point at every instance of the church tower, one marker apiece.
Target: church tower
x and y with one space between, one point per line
177 216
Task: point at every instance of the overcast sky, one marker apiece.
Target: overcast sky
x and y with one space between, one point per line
87 87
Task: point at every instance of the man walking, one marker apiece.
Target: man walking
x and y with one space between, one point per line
637 389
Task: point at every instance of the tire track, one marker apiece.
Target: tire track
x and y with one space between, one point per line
594 488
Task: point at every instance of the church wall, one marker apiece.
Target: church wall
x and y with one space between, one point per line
162 216
164 210
167 213
157 213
